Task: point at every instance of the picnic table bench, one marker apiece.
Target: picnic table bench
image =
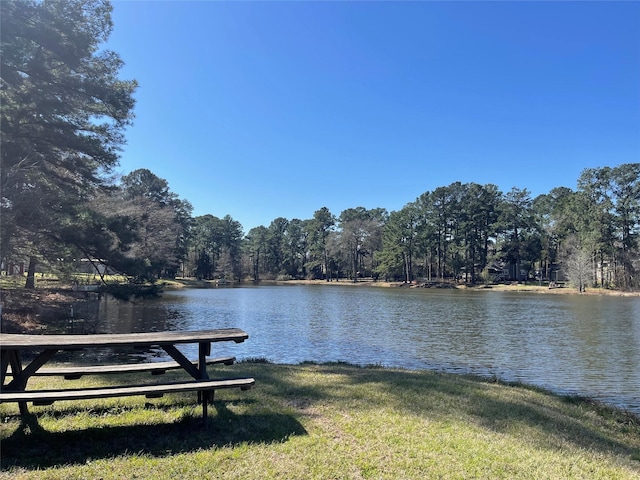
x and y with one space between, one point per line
13 346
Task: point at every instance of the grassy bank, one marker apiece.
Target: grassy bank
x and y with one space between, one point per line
327 421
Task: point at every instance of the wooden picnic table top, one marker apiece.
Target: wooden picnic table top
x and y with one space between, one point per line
12 345
19 341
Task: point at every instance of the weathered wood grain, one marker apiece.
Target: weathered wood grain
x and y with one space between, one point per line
46 397
74 342
156 368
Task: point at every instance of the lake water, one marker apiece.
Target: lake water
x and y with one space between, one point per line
587 345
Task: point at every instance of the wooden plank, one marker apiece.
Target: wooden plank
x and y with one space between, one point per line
66 342
155 368
45 397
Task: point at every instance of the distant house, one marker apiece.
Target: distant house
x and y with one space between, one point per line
507 271
499 271
13 268
85 266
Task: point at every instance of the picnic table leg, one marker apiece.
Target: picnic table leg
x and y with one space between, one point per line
178 356
4 362
16 383
204 349
21 375
199 372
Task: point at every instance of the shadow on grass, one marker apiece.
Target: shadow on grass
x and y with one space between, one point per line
31 446
505 408
285 395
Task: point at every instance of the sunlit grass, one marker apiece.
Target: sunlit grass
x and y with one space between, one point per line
12 281
51 280
326 421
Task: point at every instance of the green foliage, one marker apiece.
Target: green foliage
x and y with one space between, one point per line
318 230
470 232
64 111
360 236
398 244
611 227
127 291
215 248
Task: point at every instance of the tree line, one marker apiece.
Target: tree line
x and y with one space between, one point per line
462 232
64 112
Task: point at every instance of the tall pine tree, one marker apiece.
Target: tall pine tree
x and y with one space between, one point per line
64 111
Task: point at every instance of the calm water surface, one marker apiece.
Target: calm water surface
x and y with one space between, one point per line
588 345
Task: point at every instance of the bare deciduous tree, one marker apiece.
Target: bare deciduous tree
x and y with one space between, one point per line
578 266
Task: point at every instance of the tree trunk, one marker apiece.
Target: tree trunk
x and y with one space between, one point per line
326 264
31 274
354 262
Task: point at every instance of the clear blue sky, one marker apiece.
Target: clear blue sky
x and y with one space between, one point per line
275 109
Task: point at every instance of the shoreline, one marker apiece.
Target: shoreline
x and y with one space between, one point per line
480 287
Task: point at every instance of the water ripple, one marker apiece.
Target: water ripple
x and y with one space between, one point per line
571 344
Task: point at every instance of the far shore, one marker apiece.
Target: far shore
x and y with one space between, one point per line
501 287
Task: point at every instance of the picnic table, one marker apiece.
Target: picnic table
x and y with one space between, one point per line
14 346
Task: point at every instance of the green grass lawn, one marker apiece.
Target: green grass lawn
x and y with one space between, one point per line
326 422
